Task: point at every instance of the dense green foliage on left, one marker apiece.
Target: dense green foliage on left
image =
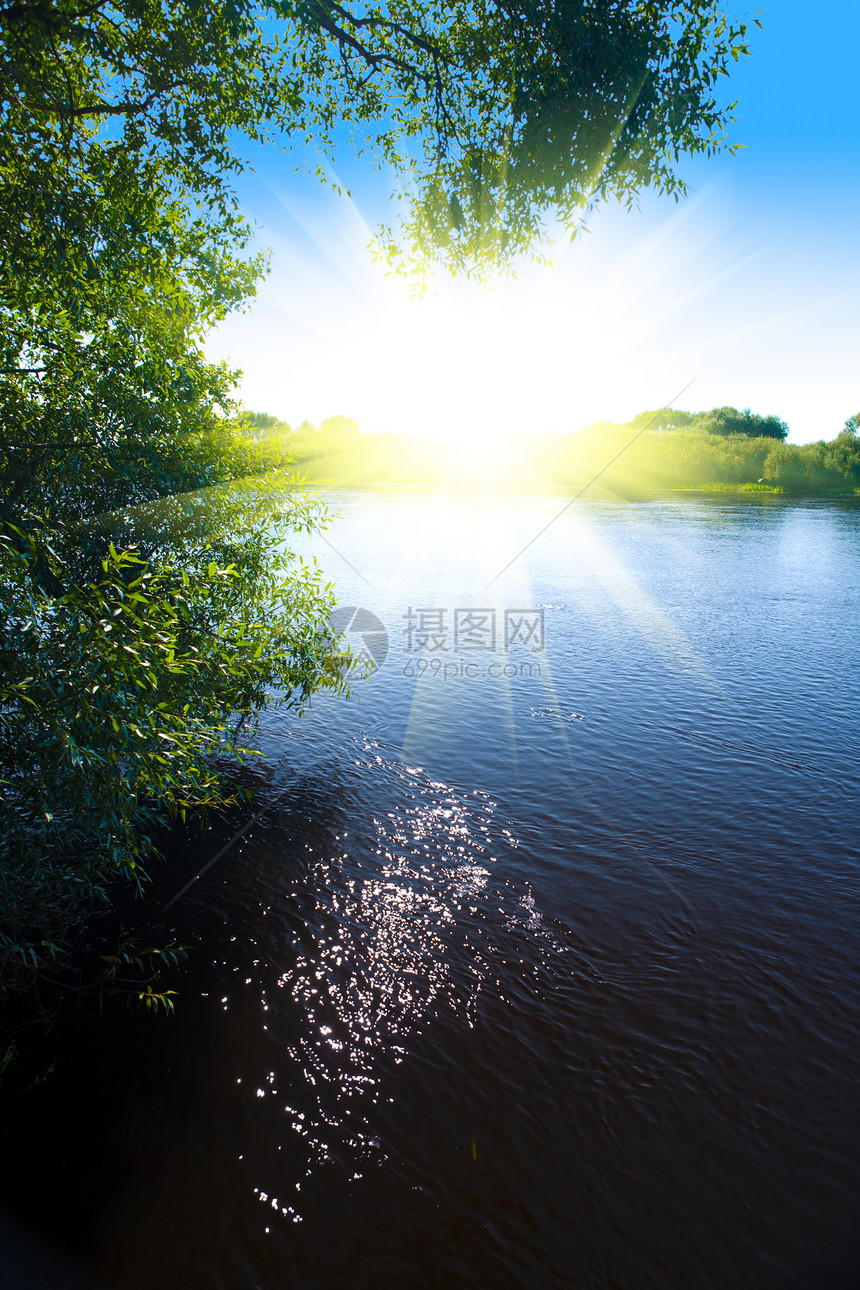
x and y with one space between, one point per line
148 597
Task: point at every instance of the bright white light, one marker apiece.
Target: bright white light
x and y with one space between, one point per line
626 317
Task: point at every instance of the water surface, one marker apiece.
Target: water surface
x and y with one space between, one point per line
541 968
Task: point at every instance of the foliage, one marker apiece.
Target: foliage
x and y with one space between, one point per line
660 448
113 964
120 692
278 444
123 969
658 458
716 448
662 419
340 428
718 421
144 600
566 104
260 425
497 112
820 467
731 421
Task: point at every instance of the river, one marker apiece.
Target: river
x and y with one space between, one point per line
541 967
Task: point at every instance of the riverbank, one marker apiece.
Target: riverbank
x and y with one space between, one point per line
616 457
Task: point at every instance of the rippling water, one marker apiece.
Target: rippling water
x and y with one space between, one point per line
540 969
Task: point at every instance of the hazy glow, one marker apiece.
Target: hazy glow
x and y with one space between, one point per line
750 285
549 350
627 315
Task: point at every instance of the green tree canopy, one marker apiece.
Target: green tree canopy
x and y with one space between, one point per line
262 424
340 427
498 112
663 419
727 421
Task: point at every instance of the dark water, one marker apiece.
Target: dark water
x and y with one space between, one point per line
541 970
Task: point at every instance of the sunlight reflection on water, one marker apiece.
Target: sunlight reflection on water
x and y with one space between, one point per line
535 980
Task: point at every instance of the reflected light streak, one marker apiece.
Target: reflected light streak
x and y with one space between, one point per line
365 982
666 639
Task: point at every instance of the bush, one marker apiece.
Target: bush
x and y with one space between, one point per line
815 467
120 693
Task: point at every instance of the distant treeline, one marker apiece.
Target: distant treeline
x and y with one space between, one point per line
720 421
662 448
307 440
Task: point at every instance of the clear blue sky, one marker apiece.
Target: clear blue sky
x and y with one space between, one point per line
750 288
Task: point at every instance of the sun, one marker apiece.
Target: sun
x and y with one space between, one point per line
601 333
481 366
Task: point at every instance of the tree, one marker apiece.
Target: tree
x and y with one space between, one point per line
662 419
498 111
815 468
261 425
339 427
145 605
559 104
729 421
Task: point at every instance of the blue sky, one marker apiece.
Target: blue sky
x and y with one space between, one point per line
749 288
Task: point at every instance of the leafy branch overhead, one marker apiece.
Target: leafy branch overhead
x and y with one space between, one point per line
496 115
